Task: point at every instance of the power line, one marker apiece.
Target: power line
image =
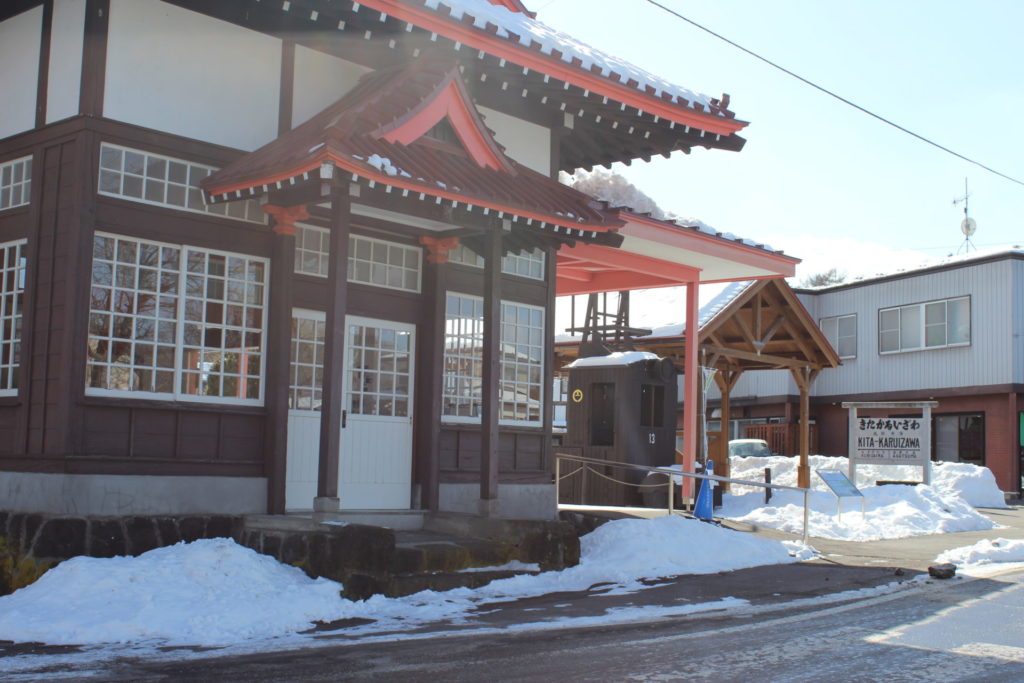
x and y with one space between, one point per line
832 94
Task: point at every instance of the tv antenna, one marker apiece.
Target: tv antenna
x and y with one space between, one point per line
968 225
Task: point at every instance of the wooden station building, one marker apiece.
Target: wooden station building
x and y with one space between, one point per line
262 255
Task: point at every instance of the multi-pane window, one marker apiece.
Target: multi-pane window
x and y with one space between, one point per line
380 370
165 181
841 332
521 357
522 362
525 264
465 256
929 325
383 264
307 366
463 356
15 182
12 289
172 321
312 247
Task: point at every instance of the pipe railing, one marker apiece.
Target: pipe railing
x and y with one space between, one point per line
671 474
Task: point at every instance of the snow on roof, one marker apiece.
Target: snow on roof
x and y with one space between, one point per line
529 30
615 359
965 259
701 226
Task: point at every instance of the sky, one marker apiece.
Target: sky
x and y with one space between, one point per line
818 179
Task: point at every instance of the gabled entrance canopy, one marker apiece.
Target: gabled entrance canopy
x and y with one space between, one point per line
415 132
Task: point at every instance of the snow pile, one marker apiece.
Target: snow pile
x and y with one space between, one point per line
214 592
889 512
210 592
985 552
976 485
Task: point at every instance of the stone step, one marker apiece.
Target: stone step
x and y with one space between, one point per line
407 584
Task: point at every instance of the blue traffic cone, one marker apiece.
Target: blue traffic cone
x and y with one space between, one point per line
703 508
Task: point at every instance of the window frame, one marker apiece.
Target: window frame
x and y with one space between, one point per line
318 345
10 382
354 261
835 339
250 208
180 321
921 325
511 263
24 185
475 340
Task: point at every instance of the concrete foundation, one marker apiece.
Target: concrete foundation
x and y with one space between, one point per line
109 494
515 501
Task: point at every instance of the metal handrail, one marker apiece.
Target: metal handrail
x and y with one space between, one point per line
693 475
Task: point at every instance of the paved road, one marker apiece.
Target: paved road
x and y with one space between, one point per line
948 631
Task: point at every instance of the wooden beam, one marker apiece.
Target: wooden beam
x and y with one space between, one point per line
491 374
759 358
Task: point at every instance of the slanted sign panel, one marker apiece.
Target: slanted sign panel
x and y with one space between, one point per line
889 441
839 483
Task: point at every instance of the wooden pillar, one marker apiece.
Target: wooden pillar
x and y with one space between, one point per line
491 374
334 353
691 384
726 379
549 369
804 377
277 382
430 365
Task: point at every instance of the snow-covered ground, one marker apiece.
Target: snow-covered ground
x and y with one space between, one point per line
890 511
985 551
215 592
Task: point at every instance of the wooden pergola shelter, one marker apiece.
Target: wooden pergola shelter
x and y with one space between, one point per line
763 327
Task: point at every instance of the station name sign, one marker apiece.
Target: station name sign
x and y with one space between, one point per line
889 441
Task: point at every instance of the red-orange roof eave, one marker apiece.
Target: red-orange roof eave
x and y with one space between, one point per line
344 163
646 227
552 66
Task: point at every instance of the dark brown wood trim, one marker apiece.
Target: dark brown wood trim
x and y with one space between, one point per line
44 64
490 409
94 57
547 388
332 402
429 369
278 371
287 89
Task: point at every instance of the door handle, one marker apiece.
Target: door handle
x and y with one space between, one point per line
344 419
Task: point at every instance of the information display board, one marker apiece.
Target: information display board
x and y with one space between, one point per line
839 483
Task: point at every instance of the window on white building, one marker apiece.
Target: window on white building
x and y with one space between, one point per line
12 290
841 332
170 321
307 366
929 325
521 358
165 181
15 182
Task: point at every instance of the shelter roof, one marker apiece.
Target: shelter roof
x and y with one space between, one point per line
657 253
414 129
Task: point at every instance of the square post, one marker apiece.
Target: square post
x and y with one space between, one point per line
491 372
279 339
691 369
332 402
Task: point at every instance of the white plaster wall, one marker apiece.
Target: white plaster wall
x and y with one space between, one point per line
108 494
20 38
526 142
320 81
67 33
181 72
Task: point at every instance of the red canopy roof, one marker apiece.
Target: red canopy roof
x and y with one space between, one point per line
381 132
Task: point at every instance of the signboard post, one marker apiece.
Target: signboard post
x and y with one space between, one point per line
891 440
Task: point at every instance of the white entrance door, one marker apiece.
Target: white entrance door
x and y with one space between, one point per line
304 396
375 471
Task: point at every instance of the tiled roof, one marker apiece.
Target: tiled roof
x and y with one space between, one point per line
351 135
